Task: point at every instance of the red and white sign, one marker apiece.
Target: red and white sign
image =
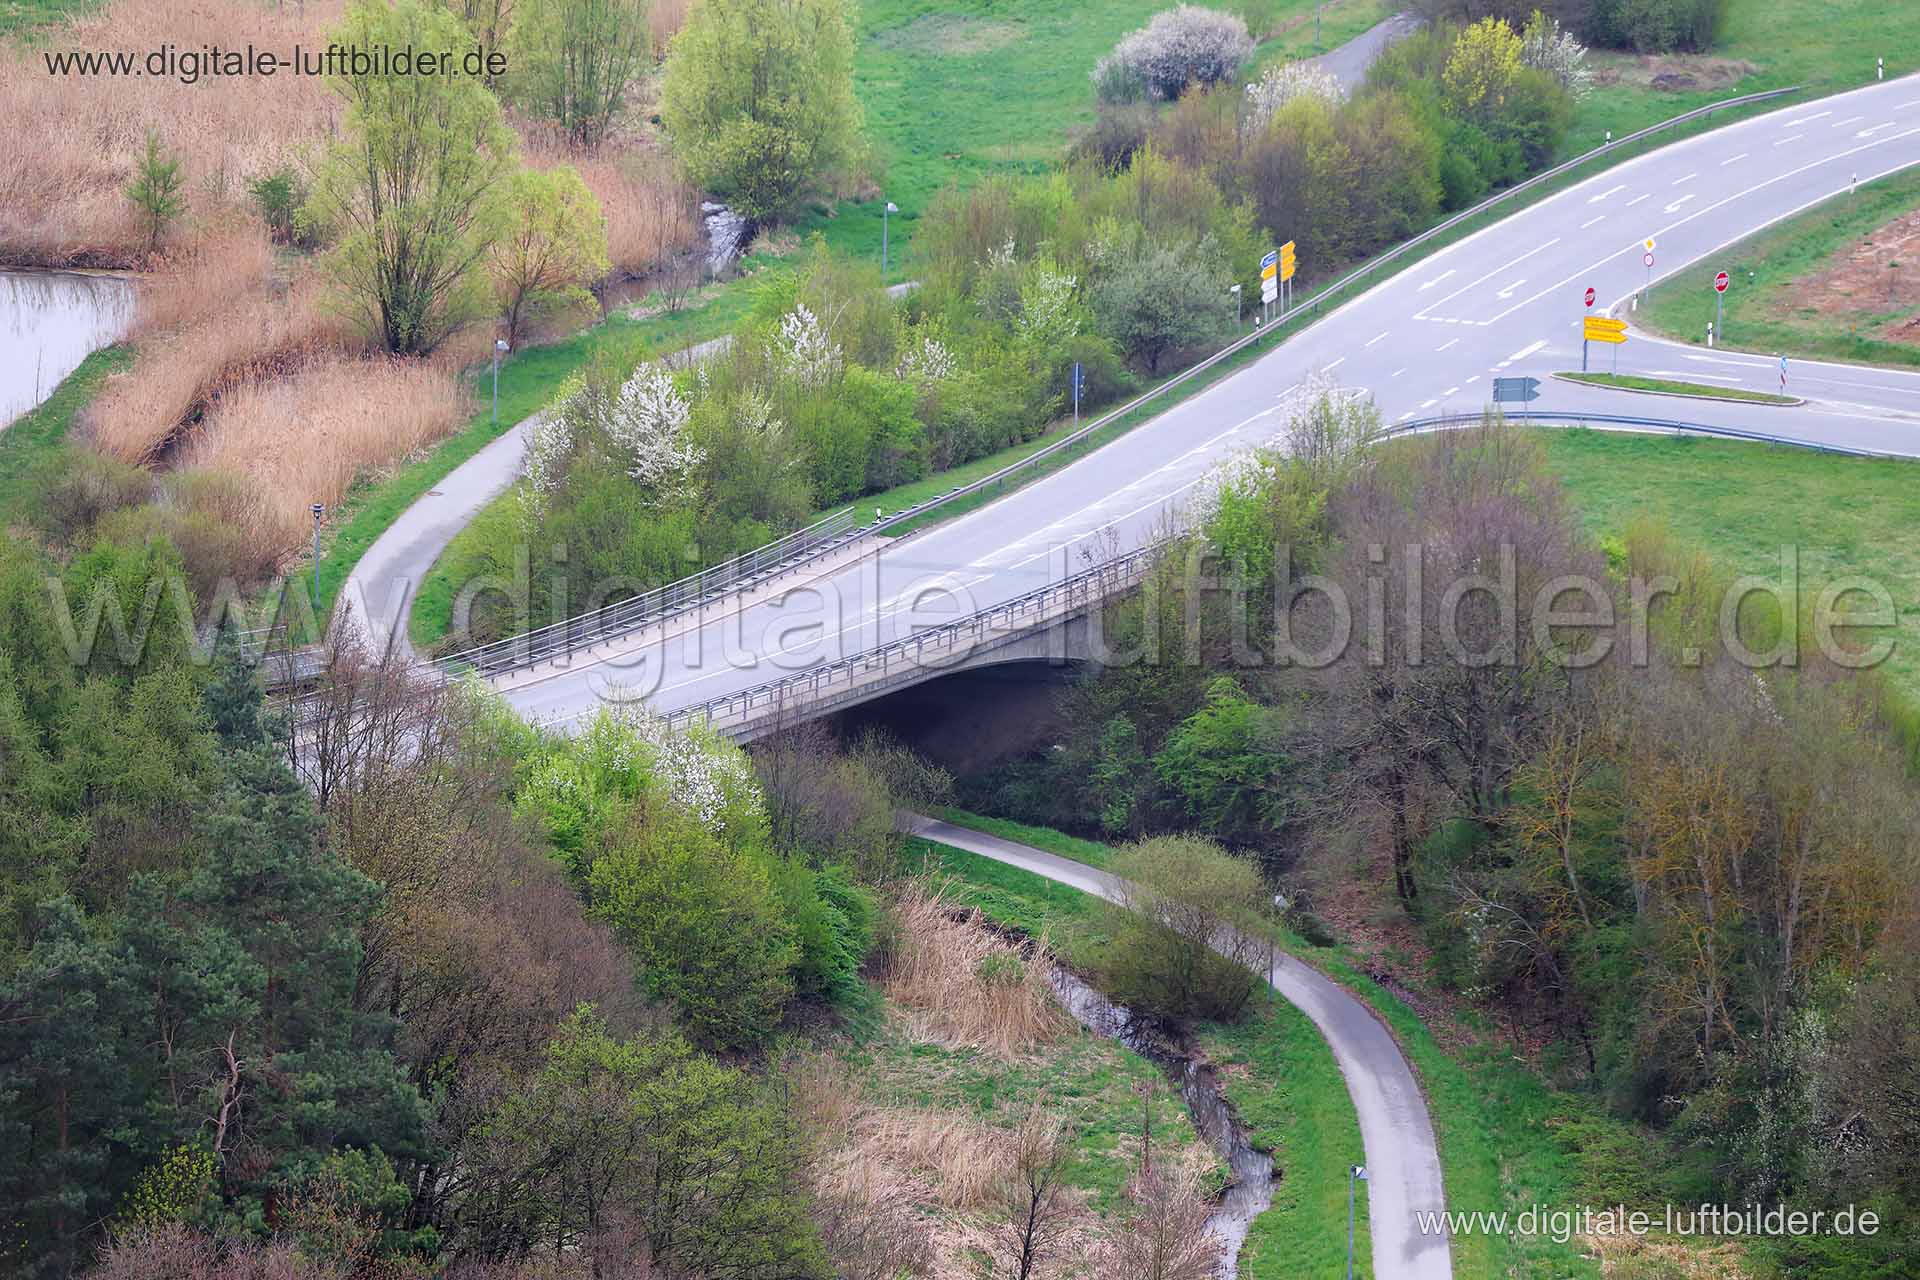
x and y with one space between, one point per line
1720 283
1649 259
1589 297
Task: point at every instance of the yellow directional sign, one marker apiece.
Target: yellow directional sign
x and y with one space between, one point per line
1269 271
1601 329
1287 263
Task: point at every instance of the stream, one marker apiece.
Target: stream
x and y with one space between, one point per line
49 322
1251 1190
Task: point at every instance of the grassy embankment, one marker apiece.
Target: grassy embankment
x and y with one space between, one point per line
957 89
1666 386
35 435
1741 503
1281 1074
1823 45
1769 305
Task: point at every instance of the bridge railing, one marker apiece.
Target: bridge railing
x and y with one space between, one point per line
906 659
797 549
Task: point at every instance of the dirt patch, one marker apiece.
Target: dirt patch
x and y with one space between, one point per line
1670 72
1872 285
948 35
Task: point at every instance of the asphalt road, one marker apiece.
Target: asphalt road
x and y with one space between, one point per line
1507 301
1396 1133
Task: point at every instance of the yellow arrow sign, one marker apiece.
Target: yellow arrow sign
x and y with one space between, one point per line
1598 329
1268 272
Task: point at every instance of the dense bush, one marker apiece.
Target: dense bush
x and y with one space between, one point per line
1657 26
1177 949
1177 49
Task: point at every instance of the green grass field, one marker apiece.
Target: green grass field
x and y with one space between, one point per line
22 16
1765 308
955 89
1823 45
1493 1116
34 436
1665 386
1740 503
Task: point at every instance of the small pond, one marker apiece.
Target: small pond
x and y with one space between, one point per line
49 322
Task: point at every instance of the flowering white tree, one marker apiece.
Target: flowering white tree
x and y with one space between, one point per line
1282 83
649 426
808 354
1047 315
1549 47
1179 47
928 360
549 450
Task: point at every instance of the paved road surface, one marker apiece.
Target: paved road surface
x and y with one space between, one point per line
1348 64
1506 301
1403 1162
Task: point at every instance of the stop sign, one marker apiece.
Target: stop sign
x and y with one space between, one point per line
1720 283
1589 297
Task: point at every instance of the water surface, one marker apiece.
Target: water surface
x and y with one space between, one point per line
49 322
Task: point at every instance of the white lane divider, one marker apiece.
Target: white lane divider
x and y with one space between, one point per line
1524 352
1470 381
1648 195
1604 194
1675 206
1428 404
1397 372
1436 280
1784 141
1733 160
1450 342
1795 124
1383 333
1503 267
1868 133
1841 124
1335 365
1683 181
1593 221
1449 392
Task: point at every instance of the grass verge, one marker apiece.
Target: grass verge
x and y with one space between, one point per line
1277 1069
1493 1117
1742 504
38 433
1766 304
1627 382
1823 45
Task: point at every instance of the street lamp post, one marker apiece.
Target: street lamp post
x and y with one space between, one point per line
1355 1173
499 349
1239 307
891 208
318 511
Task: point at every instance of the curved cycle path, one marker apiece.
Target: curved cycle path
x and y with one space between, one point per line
1403 1159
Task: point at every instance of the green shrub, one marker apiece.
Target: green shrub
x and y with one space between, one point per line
75 488
1175 951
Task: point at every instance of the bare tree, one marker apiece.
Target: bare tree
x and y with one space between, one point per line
1165 1236
1039 1205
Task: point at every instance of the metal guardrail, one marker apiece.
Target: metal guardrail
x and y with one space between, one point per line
837 530
803 688
907 655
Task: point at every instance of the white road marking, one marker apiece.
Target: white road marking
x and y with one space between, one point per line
1710 377
1449 391
1396 373
1841 124
1335 365
1508 291
1733 160
1675 206
1738 364
1680 181
1524 352
1406 415
1428 404
1604 194
1637 199
1436 280
1868 133
1784 141
1383 333
1795 124
1503 267
1470 381
1450 342
1591 221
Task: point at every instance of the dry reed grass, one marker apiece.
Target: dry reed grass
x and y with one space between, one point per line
179 376
962 985
229 267
307 436
651 210
666 17
62 199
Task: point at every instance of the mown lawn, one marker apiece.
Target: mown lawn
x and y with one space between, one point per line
1741 503
1765 308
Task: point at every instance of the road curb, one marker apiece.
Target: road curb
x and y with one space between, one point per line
1792 402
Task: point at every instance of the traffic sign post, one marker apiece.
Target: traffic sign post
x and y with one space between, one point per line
1288 265
1269 280
1079 380
1719 306
1515 390
1602 329
1589 298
